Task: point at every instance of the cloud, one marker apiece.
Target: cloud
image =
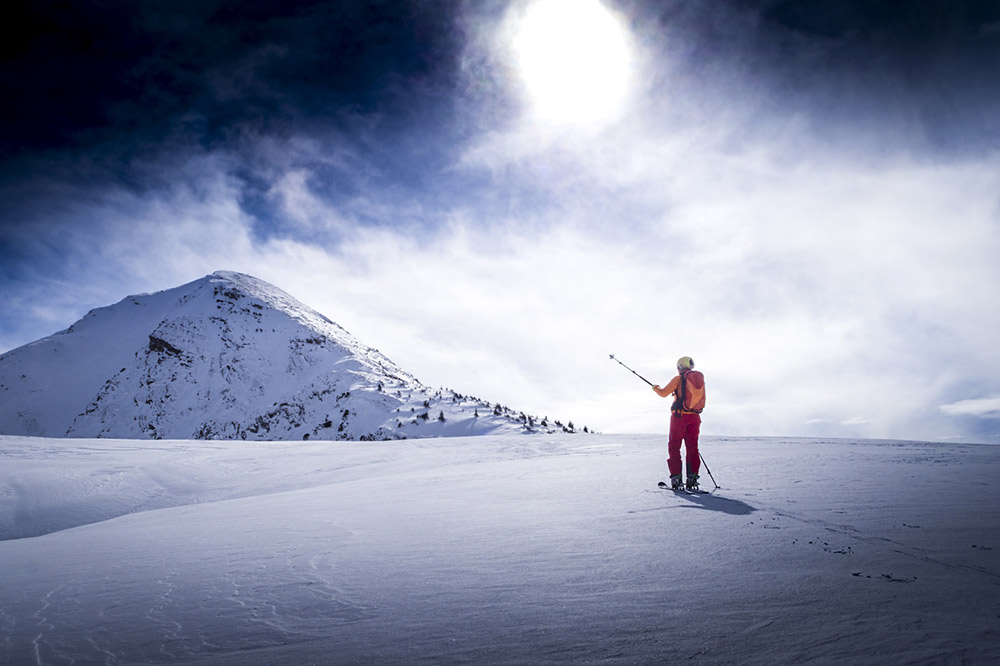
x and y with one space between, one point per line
304 210
986 408
818 303
819 269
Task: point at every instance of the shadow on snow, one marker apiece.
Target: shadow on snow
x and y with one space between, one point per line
709 502
716 503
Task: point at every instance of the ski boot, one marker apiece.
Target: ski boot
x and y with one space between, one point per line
692 482
675 482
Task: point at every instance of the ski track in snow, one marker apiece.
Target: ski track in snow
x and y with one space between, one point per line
496 550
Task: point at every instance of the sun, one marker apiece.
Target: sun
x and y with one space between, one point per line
574 58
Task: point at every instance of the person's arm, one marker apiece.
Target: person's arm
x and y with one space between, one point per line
669 388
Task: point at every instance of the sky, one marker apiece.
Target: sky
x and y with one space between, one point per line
803 196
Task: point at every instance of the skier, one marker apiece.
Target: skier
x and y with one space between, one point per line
688 389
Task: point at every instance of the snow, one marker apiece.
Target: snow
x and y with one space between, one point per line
496 549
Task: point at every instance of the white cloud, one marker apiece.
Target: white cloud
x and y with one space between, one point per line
303 209
987 408
817 281
806 300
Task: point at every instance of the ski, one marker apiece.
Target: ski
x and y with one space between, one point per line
683 490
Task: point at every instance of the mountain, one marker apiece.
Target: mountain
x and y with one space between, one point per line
228 356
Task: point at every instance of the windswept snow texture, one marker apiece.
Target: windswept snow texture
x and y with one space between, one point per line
555 549
228 356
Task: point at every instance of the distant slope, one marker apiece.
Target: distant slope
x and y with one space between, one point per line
228 356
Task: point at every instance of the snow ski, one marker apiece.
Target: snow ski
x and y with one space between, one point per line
682 490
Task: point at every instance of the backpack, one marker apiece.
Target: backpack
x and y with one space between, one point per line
690 394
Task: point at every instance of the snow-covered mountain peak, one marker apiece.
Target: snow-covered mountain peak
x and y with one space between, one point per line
228 356
234 284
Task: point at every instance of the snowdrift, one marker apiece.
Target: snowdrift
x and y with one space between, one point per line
554 549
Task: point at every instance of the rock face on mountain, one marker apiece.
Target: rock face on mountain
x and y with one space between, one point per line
228 356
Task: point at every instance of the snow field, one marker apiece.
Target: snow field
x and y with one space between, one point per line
496 549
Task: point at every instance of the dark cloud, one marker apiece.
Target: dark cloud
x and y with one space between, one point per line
127 77
90 74
130 94
914 26
937 55
127 94
920 74
118 82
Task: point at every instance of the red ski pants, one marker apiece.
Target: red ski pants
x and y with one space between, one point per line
684 427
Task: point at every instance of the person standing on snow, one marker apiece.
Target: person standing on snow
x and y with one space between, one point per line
688 389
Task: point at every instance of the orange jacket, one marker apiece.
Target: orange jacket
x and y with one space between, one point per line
694 392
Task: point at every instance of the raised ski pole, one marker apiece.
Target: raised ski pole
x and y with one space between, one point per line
631 370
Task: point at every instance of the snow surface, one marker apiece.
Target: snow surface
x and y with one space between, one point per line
228 356
554 549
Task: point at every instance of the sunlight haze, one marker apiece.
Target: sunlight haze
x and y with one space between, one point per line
574 58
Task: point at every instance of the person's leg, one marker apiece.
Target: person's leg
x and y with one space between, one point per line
674 445
692 429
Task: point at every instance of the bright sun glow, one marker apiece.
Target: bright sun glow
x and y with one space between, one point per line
574 58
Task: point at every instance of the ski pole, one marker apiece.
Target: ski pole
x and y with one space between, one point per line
631 370
710 475
708 470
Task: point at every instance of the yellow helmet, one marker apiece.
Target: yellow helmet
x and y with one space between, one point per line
685 362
